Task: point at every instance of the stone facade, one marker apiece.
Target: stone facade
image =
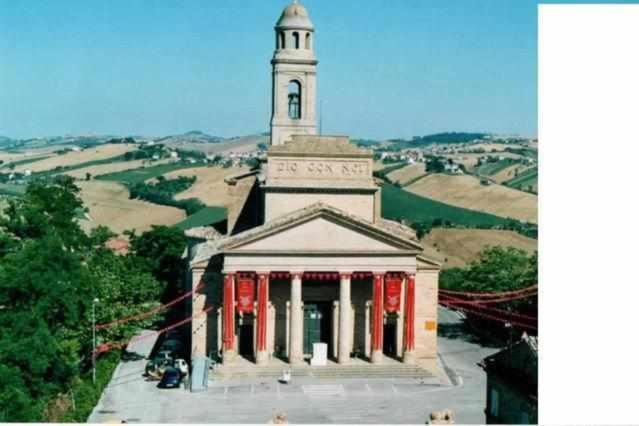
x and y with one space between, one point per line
307 257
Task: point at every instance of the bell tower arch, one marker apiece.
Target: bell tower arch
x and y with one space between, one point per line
294 76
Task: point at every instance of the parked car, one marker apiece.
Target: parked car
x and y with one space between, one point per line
182 366
171 378
175 347
161 360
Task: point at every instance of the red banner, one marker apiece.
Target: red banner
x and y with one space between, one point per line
245 295
392 294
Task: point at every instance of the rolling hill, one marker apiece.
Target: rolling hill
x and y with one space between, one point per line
467 192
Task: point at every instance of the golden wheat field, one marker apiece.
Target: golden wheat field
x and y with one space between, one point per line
9 157
209 187
72 158
509 172
459 247
408 173
467 191
109 205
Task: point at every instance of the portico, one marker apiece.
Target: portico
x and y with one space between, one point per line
387 288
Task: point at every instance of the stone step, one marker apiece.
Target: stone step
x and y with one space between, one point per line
385 371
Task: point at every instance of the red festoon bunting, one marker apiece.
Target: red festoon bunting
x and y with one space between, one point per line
245 295
392 293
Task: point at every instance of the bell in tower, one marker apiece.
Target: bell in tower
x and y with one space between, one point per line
294 74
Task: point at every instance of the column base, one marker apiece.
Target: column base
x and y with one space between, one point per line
261 358
296 360
377 356
409 357
344 360
228 356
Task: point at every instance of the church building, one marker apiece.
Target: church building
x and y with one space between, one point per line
307 257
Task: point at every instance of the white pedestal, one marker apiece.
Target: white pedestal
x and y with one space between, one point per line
320 354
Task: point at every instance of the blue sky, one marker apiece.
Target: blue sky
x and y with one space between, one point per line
387 68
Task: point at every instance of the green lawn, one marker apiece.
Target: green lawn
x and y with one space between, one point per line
400 204
143 173
204 217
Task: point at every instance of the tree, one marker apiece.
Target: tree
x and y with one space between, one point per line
160 250
50 271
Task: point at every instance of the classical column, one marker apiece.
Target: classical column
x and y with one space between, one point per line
199 323
261 356
296 351
344 352
378 318
409 320
229 318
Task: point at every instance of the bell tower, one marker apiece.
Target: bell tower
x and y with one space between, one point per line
294 75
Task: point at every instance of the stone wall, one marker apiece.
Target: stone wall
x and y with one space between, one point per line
361 205
426 283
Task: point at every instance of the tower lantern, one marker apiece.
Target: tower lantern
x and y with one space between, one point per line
294 75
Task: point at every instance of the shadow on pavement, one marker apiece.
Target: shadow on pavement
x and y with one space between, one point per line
461 331
131 356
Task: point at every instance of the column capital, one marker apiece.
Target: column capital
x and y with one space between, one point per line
379 273
345 274
262 274
409 275
296 274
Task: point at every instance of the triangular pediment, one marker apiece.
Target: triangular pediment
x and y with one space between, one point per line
320 230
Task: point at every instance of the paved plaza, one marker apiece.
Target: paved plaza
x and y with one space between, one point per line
131 398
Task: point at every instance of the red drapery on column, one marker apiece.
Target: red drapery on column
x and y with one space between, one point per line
378 312
262 311
245 294
392 293
409 317
229 312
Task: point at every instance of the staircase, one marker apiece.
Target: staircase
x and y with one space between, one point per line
331 371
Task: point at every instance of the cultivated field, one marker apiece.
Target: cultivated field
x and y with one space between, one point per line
400 204
526 180
9 157
407 174
209 187
459 247
509 172
470 160
101 152
242 144
109 205
467 192
118 166
490 146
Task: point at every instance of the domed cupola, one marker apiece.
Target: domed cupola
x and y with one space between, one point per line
295 16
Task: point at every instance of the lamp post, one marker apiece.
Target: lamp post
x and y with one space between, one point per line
96 300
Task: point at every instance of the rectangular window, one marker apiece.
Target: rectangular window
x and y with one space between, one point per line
494 403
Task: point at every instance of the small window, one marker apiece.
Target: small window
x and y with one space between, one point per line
308 40
296 39
295 100
494 403
281 41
